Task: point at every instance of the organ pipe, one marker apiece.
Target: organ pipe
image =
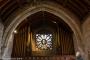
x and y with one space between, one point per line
23 40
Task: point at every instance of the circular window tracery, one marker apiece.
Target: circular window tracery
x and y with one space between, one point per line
44 41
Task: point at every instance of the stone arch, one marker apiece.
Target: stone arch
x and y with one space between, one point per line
52 8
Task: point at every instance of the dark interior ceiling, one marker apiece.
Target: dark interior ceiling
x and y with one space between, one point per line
44 18
80 8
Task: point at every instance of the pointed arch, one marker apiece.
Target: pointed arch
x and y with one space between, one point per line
52 8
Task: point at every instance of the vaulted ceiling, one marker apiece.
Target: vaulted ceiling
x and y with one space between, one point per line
80 8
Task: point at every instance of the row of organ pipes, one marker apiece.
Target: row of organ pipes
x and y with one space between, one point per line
65 42
22 43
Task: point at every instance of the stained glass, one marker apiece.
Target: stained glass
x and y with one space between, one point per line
44 41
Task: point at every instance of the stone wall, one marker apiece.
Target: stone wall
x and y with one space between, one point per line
8 51
86 36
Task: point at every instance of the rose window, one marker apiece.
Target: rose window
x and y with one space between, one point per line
44 41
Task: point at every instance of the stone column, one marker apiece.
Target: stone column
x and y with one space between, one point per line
1 34
78 48
86 36
8 49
